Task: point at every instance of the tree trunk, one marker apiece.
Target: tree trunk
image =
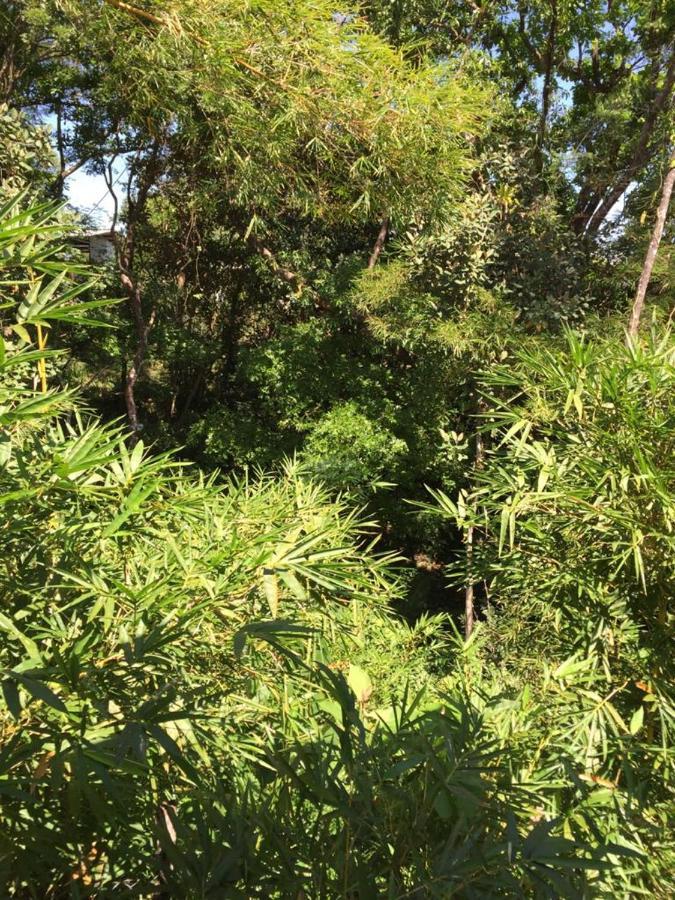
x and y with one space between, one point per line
548 85
231 337
379 243
652 250
469 609
10 69
126 258
142 329
286 274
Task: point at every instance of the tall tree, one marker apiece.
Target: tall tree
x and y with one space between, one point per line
285 110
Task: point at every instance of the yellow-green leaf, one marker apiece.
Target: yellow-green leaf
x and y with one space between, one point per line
359 681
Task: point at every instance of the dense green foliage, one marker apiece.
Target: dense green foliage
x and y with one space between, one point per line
368 362
575 503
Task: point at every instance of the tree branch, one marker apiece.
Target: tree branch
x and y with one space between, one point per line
640 154
136 12
379 243
288 275
110 184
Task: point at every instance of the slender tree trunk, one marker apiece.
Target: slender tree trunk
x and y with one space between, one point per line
126 259
469 611
284 273
231 337
195 387
60 180
165 818
65 171
142 329
640 154
469 591
548 84
10 71
379 243
136 12
652 250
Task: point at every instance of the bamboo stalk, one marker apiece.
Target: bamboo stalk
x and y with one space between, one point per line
42 368
469 608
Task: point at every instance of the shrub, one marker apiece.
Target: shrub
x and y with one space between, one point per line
349 451
573 512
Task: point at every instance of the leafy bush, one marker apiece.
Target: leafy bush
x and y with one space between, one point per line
25 153
574 514
347 450
582 486
237 436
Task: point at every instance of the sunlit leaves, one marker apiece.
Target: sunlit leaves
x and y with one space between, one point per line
212 669
575 509
292 110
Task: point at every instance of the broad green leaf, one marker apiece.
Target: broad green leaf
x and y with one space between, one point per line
359 681
637 719
22 332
